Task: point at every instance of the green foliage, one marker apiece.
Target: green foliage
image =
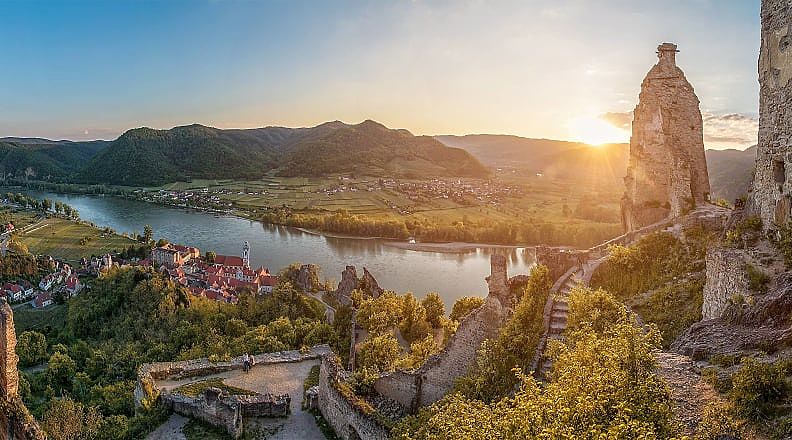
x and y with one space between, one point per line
783 241
66 419
197 388
758 387
661 277
594 310
603 386
31 348
492 376
312 379
745 232
435 309
60 370
413 325
379 315
757 279
465 305
379 352
419 353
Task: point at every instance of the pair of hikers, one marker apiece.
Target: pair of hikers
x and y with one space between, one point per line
248 361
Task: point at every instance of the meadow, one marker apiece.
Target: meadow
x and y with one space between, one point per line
70 240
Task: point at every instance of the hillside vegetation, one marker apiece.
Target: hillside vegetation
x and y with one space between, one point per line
146 156
44 159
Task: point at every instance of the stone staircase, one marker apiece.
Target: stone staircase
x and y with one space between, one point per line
559 313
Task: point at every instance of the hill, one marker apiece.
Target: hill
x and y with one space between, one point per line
45 159
730 171
146 156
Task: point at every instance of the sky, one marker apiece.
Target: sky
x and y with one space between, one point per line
78 69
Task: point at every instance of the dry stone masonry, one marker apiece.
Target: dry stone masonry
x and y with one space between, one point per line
772 189
667 173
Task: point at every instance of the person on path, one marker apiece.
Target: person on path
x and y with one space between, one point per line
246 362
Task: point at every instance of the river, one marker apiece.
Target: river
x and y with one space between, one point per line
452 275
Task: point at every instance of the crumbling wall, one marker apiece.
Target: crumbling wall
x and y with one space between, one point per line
772 190
667 173
351 418
727 278
435 378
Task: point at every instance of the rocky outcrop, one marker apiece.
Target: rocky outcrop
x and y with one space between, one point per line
667 173
727 280
771 197
349 282
15 419
369 284
307 278
762 324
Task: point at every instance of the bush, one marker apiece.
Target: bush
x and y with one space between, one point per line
465 305
757 388
757 279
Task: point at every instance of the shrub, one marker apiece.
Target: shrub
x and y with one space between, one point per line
757 387
465 305
757 279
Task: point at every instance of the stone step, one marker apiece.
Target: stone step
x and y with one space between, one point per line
556 337
557 327
559 314
560 304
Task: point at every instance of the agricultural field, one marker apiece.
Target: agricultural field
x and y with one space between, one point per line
71 241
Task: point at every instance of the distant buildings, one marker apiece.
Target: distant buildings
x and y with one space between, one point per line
221 280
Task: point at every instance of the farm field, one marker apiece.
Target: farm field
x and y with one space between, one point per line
71 241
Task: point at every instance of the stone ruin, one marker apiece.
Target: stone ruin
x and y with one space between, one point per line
15 420
215 406
772 187
411 390
667 173
350 281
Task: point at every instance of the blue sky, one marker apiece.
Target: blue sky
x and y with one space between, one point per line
92 69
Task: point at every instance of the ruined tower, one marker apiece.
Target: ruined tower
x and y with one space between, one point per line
667 173
772 192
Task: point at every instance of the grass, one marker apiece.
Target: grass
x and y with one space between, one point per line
28 318
312 379
197 388
71 241
199 430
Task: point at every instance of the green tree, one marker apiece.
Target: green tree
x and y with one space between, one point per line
413 325
31 348
435 309
60 371
66 419
46 204
465 305
211 256
380 352
148 234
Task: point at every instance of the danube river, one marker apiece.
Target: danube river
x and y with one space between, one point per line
452 275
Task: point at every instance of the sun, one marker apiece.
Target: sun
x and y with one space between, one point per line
596 131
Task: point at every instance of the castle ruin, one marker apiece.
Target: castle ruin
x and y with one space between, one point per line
667 173
772 191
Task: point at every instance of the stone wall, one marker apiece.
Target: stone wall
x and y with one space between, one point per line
772 187
667 173
435 378
350 417
148 374
726 278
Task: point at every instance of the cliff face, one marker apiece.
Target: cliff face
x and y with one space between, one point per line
668 170
772 189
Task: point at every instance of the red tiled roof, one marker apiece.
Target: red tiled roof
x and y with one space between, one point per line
228 260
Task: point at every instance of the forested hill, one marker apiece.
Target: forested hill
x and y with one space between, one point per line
730 171
43 158
146 156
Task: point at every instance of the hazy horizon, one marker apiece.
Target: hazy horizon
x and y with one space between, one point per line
536 69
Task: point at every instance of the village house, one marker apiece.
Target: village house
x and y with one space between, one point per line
173 255
43 299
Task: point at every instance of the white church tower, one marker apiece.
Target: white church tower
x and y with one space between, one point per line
246 255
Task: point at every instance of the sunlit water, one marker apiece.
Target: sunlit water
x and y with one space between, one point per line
452 275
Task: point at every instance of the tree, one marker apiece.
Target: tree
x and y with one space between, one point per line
211 256
60 370
31 348
435 309
379 315
465 305
46 204
162 242
413 325
66 419
380 352
148 234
